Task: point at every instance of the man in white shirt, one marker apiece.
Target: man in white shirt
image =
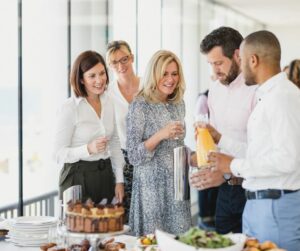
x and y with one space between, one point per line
271 168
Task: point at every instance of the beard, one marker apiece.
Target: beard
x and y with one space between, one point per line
249 76
232 74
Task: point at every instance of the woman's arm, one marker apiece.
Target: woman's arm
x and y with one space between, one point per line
142 150
136 123
65 127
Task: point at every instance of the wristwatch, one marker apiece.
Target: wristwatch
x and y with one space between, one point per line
227 176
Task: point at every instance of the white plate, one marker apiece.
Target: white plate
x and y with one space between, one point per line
166 242
25 244
126 229
28 243
27 236
31 228
33 220
40 240
29 231
36 226
128 239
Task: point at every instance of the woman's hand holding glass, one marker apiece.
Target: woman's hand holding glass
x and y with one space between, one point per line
98 145
173 130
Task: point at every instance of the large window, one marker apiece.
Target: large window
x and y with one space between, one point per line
8 103
89 22
45 77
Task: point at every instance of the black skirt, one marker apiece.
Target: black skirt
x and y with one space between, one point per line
95 177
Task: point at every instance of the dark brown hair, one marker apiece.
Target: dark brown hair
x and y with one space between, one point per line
294 72
266 45
227 38
85 61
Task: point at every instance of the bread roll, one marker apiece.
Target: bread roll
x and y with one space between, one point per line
267 245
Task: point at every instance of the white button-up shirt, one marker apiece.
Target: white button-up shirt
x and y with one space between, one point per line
273 160
78 124
230 107
121 106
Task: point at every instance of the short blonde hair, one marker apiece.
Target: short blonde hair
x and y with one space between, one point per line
155 72
116 45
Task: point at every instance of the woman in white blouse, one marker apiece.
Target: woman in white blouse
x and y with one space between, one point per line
127 84
86 139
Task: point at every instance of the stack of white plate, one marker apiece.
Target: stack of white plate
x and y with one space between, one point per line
30 230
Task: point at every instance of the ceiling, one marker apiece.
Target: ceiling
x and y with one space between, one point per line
269 12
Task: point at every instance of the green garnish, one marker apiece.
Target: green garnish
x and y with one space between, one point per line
204 239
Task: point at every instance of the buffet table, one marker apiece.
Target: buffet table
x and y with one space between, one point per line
130 242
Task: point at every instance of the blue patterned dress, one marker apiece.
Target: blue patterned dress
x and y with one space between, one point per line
152 204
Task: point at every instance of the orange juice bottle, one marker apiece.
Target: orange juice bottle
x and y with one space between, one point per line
205 144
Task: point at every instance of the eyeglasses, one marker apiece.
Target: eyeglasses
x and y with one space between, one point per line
122 60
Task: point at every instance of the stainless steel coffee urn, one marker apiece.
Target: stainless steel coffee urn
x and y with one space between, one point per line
181 173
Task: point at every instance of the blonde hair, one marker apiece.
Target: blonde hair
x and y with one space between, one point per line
155 72
294 72
116 45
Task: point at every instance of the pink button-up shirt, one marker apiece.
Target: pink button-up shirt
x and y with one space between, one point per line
230 107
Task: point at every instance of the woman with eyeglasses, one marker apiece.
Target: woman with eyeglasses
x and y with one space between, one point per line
154 129
126 85
87 145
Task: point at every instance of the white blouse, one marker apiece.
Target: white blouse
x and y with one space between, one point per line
121 109
78 124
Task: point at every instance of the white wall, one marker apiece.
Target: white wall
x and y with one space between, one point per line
289 37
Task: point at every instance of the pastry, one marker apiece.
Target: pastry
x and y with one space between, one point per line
267 245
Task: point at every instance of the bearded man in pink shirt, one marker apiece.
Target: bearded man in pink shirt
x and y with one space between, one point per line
230 103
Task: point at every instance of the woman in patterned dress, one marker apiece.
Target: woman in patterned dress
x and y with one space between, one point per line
154 129
125 87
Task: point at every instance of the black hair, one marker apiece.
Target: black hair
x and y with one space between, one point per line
266 45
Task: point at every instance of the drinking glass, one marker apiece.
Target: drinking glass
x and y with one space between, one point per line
182 123
58 235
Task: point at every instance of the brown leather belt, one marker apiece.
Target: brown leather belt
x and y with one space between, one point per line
235 181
